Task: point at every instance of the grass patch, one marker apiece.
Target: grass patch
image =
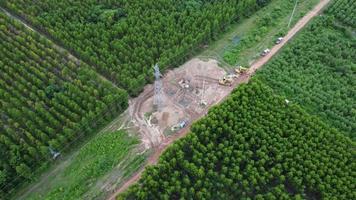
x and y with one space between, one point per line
269 24
93 161
244 41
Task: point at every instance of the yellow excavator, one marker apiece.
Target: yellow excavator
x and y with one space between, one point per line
240 70
226 81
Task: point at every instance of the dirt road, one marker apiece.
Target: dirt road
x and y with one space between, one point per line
242 79
291 33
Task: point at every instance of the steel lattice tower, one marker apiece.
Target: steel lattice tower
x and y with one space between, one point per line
157 99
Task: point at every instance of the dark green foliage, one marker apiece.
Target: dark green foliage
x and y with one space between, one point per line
123 39
254 146
46 100
318 71
344 11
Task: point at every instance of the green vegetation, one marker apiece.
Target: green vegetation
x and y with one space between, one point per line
123 39
94 160
270 23
253 146
344 11
47 100
257 145
50 99
318 71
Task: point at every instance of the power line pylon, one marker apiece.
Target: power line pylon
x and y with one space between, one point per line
157 99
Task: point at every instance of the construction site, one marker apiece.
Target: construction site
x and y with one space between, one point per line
180 97
165 110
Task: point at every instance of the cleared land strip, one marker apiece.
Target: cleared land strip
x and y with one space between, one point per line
242 79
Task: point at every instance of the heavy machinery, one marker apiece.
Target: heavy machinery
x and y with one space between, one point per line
203 103
184 83
240 70
182 124
226 81
232 76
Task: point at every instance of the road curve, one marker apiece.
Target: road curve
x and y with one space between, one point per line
242 79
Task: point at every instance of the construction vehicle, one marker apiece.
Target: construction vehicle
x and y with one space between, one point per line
184 83
240 70
232 76
203 103
265 52
279 40
180 125
226 81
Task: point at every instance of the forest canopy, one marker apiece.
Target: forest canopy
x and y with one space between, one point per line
260 145
47 101
344 11
50 99
318 71
124 39
254 145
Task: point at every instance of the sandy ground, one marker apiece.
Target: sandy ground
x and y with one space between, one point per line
184 89
165 141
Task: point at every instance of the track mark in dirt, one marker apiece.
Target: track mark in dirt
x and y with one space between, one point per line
242 79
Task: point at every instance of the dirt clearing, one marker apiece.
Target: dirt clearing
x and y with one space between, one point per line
212 93
187 93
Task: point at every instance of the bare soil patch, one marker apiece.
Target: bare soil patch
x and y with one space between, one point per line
213 94
187 93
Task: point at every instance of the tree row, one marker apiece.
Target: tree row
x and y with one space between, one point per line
124 39
47 101
254 145
318 71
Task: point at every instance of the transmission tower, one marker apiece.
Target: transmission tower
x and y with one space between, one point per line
157 99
